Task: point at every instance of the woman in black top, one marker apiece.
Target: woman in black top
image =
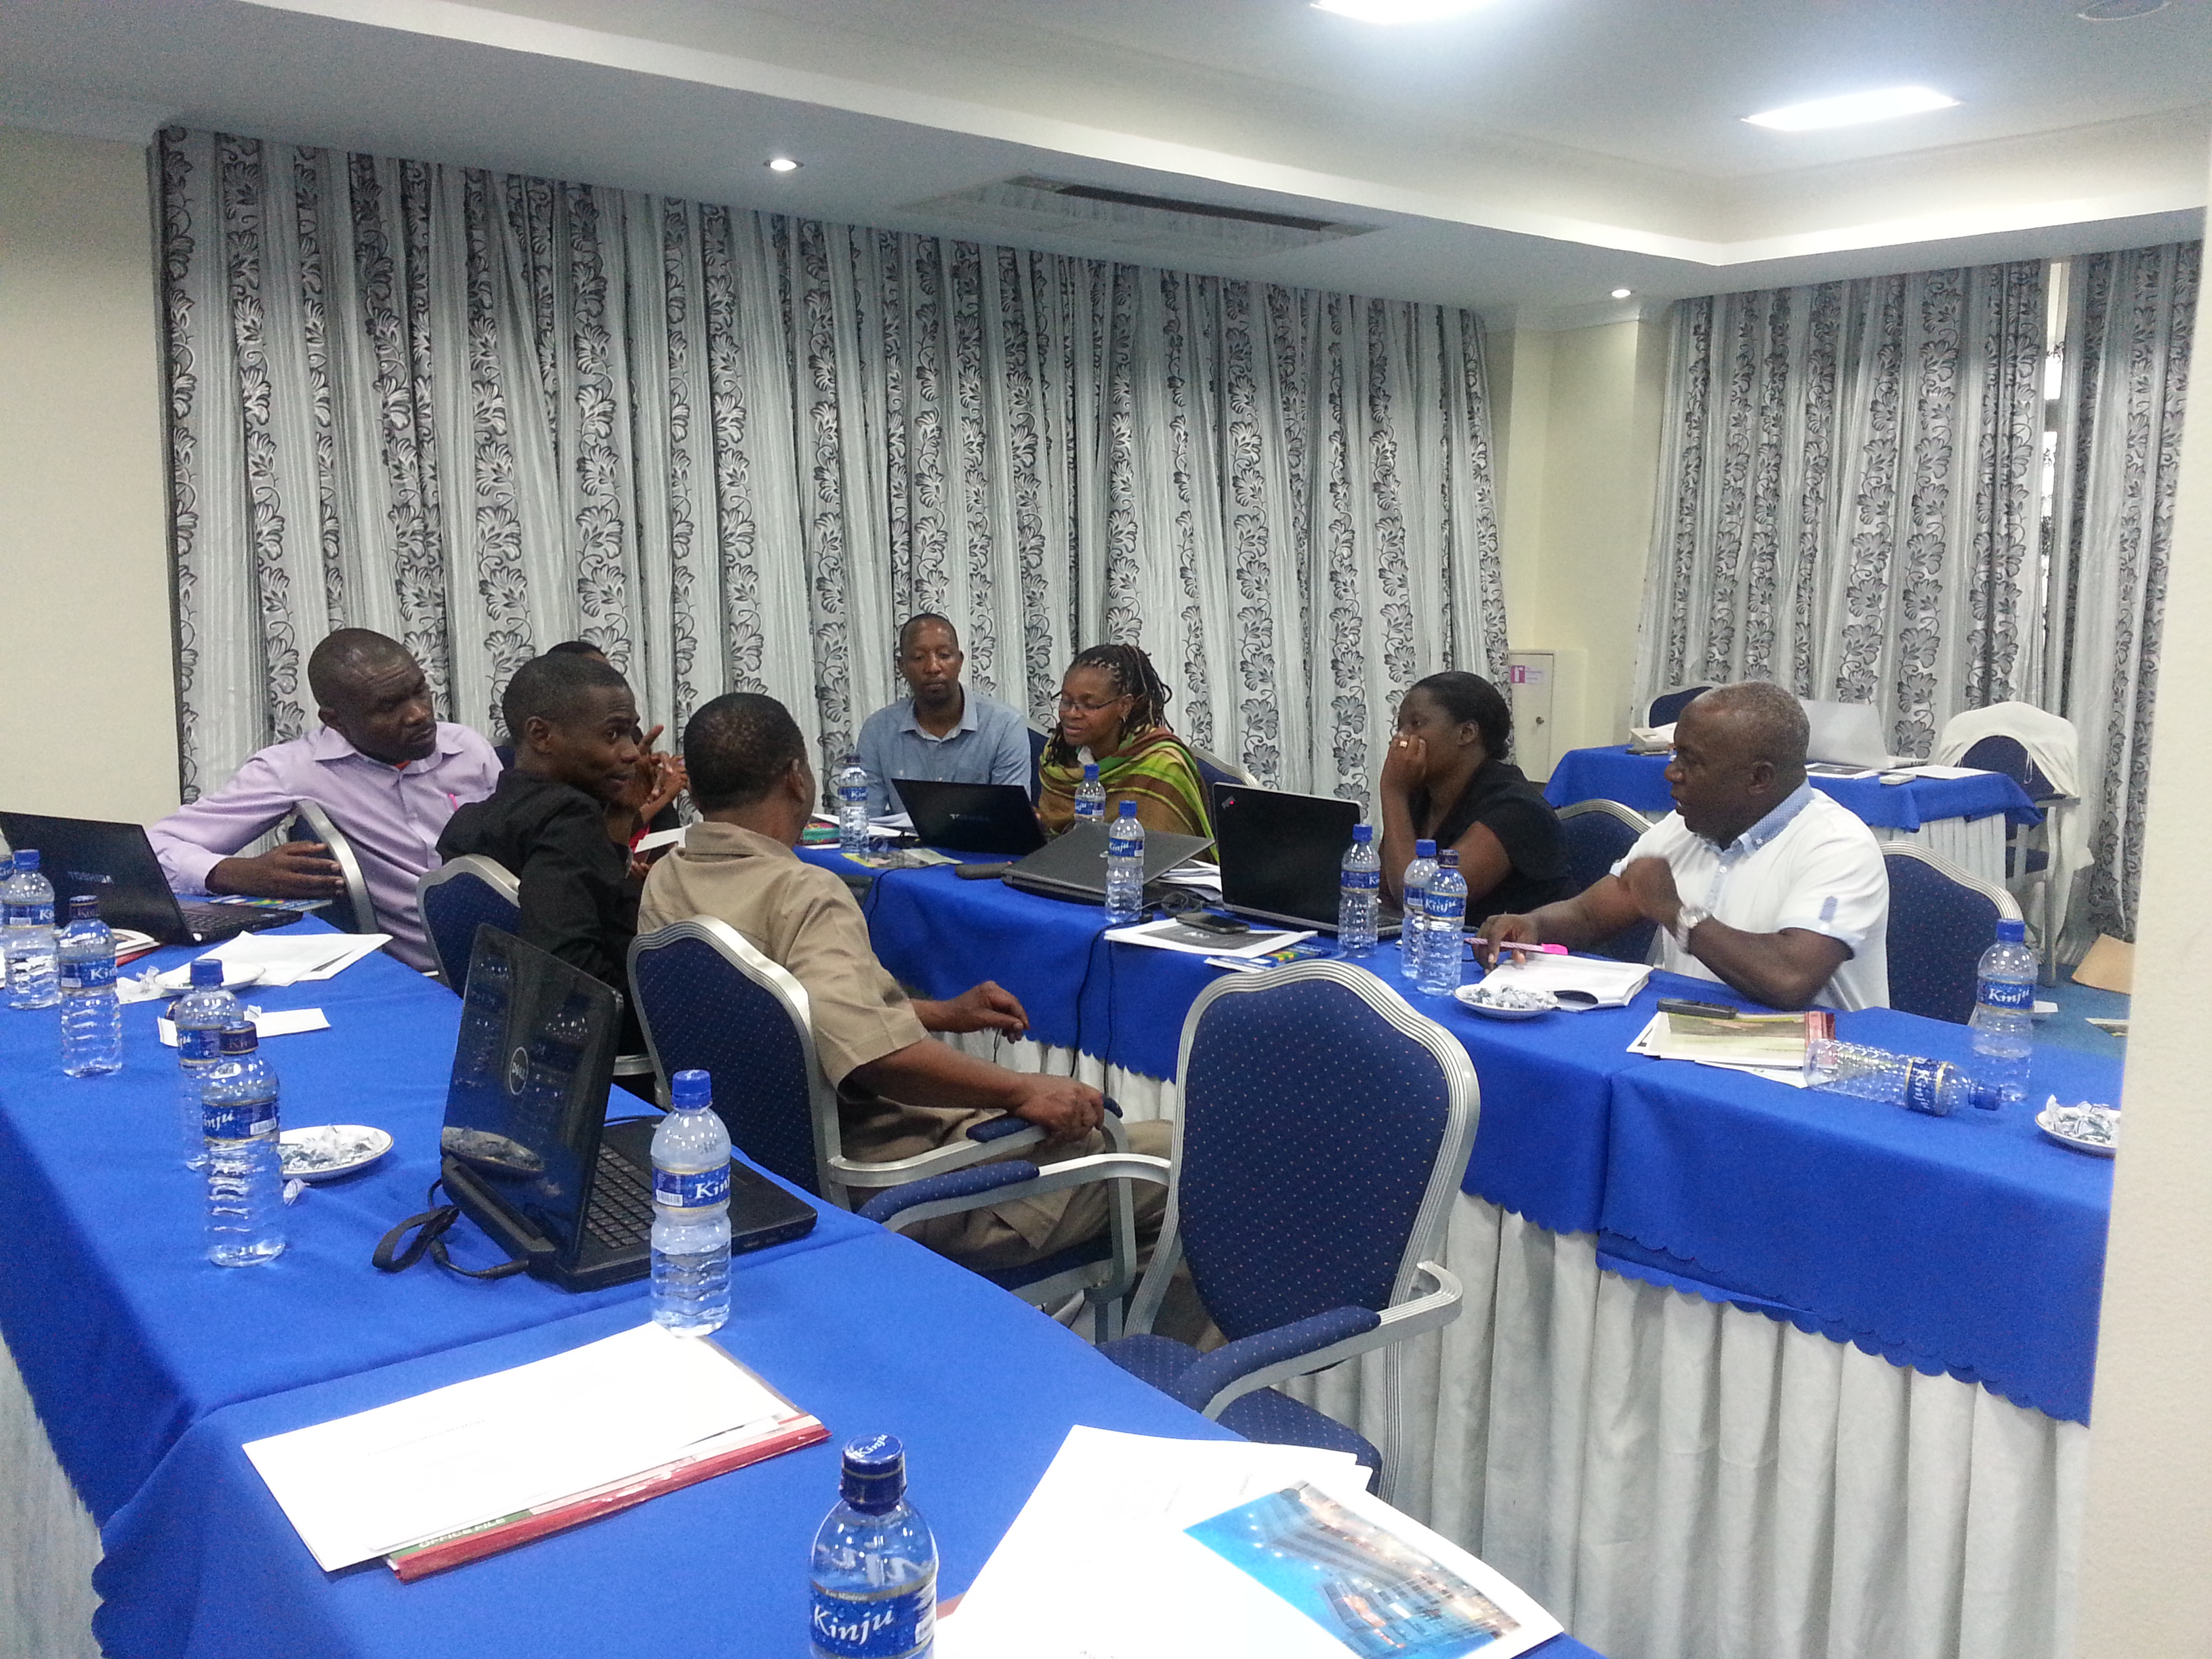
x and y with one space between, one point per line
1446 779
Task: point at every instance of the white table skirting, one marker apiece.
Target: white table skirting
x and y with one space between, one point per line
1975 845
1673 1479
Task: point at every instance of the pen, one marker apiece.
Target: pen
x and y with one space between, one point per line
1516 944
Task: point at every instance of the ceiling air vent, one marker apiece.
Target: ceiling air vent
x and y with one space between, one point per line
1030 206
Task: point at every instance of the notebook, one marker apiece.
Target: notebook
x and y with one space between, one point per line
1072 866
972 817
116 862
1282 856
528 1155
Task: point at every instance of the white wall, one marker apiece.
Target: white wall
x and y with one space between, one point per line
88 701
2147 1555
1576 414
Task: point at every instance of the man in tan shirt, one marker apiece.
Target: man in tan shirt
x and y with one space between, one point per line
899 1093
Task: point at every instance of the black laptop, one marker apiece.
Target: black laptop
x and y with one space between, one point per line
1073 864
972 817
1282 856
115 862
528 1154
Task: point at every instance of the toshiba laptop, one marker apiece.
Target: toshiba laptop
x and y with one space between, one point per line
115 862
1282 856
972 817
1072 866
528 1154
1843 740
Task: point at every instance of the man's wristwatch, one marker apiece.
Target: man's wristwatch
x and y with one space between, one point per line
1685 918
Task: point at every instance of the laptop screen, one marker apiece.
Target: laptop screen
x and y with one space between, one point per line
1281 853
530 1081
114 861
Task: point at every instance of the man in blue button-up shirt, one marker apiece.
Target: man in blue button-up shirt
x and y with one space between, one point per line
945 732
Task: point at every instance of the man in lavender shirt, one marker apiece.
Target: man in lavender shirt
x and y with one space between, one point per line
387 771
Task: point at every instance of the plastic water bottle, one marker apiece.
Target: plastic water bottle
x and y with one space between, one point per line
26 904
1125 868
852 807
1443 919
1359 895
92 1019
199 1016
1089 796
874 1570
244 1178
2004 1012
691 1211
1933 1086
1416 884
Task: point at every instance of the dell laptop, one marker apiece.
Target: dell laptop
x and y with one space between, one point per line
1073 864
972 817
1282 856
529 1156
115 862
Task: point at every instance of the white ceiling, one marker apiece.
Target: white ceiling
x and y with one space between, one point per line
1529 157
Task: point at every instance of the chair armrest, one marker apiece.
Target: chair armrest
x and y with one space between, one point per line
1197 1387
960 1183
998 1183
999 1127
1426 1312
940 1160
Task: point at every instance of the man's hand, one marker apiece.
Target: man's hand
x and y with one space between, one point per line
1504 930
1064 1109
1650 883
663 780
291 869
1405 765
985 1007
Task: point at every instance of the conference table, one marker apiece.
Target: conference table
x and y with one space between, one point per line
1960 819
149 1368
1965 1252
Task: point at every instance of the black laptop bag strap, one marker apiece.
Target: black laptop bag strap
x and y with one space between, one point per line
395 1253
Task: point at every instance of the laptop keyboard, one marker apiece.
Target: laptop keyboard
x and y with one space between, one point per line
207 922
621 1213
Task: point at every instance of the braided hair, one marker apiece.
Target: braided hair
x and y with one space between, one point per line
1133 677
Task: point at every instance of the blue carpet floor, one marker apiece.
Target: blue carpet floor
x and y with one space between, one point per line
2069 1027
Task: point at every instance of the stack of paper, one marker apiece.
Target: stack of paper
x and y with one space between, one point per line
1770 1045
468 1470
1236 1550
281 958
1172 934
1574 981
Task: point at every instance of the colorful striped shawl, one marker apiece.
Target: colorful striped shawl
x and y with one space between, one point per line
1154 768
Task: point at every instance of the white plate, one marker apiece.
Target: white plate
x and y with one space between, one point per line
1468 998
323 1151
2051 1120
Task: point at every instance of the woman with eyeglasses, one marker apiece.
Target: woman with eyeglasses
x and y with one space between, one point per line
1113 709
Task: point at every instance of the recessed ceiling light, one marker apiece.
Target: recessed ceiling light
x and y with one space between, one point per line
1399 11
2118 11
782 164
1620 294
1852 109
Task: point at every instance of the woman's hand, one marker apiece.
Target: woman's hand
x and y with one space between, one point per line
1405 766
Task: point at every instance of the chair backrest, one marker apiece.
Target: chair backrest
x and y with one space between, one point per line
1941 921
710 1002
1214 769
1325 1127
352 913
1598 835
1037 741
455 900
1667 707
2009 755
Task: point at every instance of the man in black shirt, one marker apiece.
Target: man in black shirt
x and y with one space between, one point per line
574 727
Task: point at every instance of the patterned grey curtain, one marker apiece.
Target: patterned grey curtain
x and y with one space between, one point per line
2129 321
483 413
1848 499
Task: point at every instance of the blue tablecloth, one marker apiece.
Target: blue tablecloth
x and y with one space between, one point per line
1640 781
1969 1244
863 1334
125 1334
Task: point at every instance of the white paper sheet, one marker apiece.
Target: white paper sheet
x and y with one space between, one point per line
285 1022
289 960
660 838
1614 984
1169 935
1641 1044
362 1486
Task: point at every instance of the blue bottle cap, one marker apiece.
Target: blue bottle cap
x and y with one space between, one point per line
1128 809
2010 932
239 1037
1448 859
690 1090
1362 834
207 974
1090 771
1988 1096
874 1474
1425 849
26 858
84 907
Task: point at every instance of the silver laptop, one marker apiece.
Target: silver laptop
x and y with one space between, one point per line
1845 737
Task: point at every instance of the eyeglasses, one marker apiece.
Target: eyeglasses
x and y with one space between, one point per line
1093 707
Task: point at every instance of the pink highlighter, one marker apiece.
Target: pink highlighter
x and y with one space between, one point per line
1548 950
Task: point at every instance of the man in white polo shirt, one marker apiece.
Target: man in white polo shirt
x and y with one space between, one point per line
1756 879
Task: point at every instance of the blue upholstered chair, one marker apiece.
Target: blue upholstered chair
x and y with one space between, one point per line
2028 847
1941 921
1214 769
1667 707
455 900
710 1002
1037 741
1599 833
351 912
